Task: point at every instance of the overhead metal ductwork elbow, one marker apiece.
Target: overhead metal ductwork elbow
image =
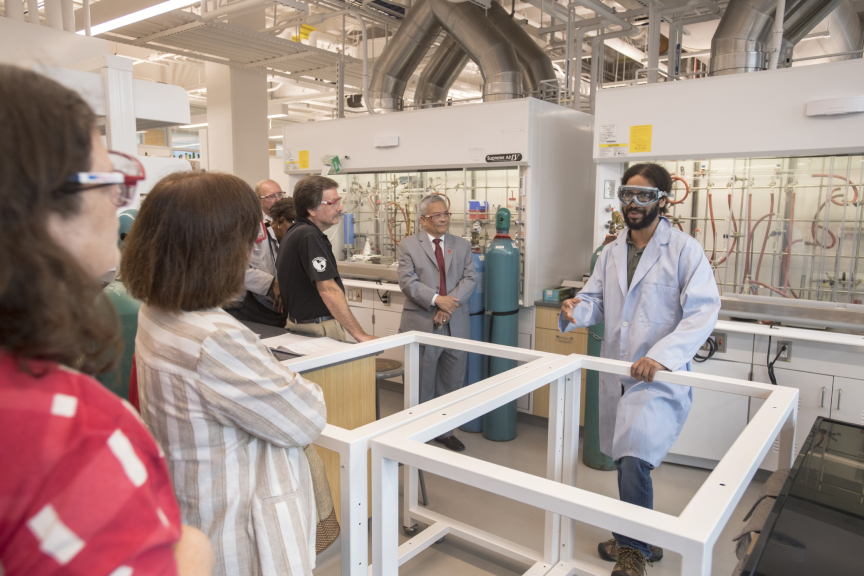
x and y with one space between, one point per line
440 73
743 37
466 24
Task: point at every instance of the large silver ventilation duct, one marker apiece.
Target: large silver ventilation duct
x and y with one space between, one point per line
440 73
465 22
448 61
742 40
536 64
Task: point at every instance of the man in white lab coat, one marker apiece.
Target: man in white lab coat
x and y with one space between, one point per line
656 292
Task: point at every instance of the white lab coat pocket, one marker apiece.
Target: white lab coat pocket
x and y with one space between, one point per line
658 304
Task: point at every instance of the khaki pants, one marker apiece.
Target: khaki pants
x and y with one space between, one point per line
330 328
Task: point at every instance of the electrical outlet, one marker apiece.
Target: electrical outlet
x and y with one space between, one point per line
720 340
785 355
354 295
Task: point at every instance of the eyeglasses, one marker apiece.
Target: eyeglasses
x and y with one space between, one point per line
128 172
439 216
335 202
274 196
642 195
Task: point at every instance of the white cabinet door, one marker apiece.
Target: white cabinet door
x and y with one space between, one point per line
814 400
387 324
716 419
847 402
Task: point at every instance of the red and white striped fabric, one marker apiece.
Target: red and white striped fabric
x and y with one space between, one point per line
84 488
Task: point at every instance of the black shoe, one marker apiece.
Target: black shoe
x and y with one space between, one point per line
452 443
609 551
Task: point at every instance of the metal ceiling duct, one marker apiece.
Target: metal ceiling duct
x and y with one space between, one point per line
440 73
536 64
466 24
742 40
444 67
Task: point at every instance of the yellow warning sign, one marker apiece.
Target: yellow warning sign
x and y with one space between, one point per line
640 138
303 157
614 145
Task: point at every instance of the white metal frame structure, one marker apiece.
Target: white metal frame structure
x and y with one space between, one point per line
692 534
353 445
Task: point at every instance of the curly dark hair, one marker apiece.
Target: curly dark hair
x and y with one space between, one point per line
283 208
657 174
189 247
51 308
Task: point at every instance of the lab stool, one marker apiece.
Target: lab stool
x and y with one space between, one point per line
384 370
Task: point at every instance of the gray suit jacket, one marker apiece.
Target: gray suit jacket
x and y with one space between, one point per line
419 280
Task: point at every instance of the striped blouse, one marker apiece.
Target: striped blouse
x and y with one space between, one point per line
232 422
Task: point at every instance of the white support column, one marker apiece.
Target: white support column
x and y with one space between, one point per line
554 461
786 457
570 455
119 100
237 116
355 510
385 514
53 14
412 398
33 11
696 562
15 10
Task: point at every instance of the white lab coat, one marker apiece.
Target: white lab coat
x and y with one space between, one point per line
667 314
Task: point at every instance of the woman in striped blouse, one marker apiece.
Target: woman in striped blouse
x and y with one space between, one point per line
231 419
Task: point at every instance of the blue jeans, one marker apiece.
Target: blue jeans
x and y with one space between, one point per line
634 487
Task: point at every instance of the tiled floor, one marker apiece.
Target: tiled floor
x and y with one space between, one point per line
673 487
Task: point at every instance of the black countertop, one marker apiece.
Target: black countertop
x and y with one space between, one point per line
817 523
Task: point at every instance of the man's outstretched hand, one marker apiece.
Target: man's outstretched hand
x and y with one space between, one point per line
567 308
644 369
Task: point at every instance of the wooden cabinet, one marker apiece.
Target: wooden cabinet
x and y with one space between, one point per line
547 338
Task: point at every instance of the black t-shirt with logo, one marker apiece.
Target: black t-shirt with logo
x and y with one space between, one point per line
305 257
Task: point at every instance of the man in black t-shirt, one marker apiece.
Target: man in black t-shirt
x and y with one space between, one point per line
313 294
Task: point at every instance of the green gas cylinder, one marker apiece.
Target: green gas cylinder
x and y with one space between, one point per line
127 308
502 322
591 454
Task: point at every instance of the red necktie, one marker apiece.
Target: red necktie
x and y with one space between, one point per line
439 255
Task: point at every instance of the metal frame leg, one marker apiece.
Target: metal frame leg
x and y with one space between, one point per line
412 398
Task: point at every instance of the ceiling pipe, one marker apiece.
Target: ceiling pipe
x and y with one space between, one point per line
465 23
440 73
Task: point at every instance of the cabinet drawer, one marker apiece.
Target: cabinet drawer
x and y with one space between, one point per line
575 342
547 317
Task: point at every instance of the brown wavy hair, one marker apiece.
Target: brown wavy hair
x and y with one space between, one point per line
190 244
50 308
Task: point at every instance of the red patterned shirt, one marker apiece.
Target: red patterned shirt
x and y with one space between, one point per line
84 488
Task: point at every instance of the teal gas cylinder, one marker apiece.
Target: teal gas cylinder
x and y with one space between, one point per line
591 454
476 304
127 308
502 310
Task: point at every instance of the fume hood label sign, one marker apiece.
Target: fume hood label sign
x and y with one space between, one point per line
516 157
608 133
613 150
303 159
640 138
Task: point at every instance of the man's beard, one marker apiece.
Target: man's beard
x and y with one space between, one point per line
648 216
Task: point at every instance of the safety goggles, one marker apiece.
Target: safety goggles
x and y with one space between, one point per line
274 196
641 195
128 172
335 202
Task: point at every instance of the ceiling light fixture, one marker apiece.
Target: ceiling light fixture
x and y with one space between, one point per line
149 12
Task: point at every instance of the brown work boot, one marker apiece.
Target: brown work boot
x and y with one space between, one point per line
630 562
609 551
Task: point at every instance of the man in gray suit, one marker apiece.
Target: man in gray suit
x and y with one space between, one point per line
436 273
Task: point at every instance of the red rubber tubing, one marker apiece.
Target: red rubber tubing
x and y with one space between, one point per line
391 221
854 188
814 225
749 237
444 194
713 228
735 233
686 190
770 217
